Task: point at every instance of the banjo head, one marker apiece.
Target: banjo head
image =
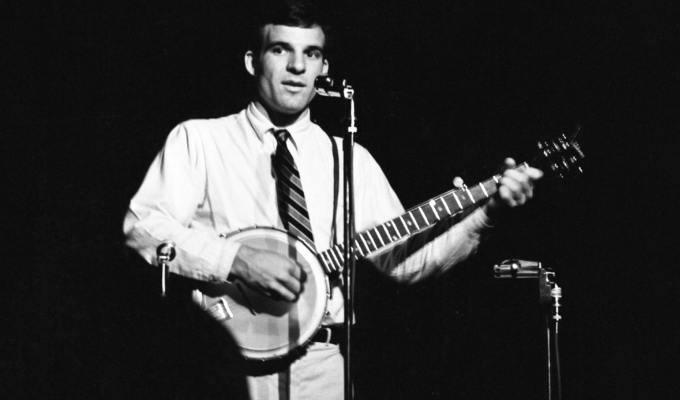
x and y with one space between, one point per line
265 328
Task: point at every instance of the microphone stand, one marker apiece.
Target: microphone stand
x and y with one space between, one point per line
350 262
326 86
549 295
165 252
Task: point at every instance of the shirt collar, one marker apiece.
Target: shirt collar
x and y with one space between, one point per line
262 125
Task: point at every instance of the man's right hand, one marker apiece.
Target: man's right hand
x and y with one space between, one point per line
269 273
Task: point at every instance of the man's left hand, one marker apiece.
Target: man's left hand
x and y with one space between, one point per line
516 186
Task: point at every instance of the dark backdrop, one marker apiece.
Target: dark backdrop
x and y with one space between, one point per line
444 89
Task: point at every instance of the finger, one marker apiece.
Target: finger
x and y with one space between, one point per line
506 196
294 270
511 184
279 291
517 175
291 283
529 192
533 173
509 162
514 190
297 272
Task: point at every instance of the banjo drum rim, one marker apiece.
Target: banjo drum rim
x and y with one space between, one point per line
323 293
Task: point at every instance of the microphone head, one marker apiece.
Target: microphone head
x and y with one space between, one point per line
325 86
329 87
166 251
323 82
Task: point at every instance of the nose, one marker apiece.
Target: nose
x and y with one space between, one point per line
296 63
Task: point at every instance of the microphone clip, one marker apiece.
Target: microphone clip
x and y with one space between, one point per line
328 87
517 269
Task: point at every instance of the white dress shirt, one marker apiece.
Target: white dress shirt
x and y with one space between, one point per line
214 177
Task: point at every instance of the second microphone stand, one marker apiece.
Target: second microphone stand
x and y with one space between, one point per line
549 295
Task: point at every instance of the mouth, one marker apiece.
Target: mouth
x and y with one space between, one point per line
293 85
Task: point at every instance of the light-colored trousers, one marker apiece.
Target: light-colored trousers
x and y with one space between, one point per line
318 375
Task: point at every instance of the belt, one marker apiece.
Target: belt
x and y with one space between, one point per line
334 334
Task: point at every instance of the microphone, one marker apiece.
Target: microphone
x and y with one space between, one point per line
329 87
519 269
165 252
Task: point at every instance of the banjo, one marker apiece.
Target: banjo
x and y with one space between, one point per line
267 329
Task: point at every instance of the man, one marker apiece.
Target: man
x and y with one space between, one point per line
216 176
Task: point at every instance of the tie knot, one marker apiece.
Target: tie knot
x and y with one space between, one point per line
281 136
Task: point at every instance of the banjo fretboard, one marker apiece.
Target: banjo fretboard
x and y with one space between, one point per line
412 221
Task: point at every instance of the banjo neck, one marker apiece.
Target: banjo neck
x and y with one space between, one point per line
413 221
559 156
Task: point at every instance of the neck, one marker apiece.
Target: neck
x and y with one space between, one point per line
280 120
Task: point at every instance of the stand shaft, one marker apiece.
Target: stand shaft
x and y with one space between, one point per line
348 270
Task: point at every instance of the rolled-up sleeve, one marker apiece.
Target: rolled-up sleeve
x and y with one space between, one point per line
164 206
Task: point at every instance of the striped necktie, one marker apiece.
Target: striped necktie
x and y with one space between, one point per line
290 196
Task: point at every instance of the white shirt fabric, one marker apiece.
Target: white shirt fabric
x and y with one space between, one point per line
214 177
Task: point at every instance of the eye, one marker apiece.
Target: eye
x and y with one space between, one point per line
315 54
277 50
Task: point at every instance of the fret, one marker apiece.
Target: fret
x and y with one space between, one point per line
427 223
433 206
491 186
361 241
419 218
406 226
486 189
472 199
412 220
374 234
392 231
370 240
446 206
451 204
384 237
338 252
388 237
335 259
477 193
361 250
460 205
401 230
430 212
326 258
464 200
434 210
339 259
486 194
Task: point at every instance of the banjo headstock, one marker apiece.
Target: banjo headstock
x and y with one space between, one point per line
561 156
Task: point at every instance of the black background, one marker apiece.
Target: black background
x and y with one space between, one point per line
443 89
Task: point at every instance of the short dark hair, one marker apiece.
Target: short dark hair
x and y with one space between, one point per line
298 13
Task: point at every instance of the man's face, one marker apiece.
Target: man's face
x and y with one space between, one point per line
288 62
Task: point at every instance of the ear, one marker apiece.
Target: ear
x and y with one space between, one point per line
324 68
249 62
